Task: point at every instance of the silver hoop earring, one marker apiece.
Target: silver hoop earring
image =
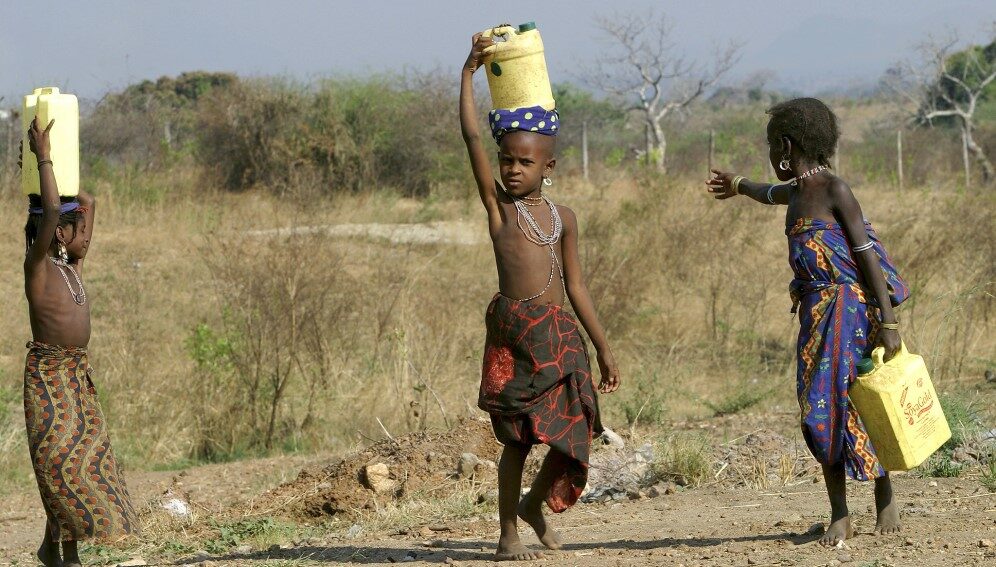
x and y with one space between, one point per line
784 165
547 181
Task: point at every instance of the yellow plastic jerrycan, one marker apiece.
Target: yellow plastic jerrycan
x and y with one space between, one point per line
48 104
899 407
516 68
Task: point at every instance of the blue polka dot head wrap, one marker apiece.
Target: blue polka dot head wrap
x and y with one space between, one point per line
532 119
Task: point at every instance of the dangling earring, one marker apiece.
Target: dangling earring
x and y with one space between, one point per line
784 165
547 181
63 253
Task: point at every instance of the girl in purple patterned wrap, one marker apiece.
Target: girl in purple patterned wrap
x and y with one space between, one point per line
845 288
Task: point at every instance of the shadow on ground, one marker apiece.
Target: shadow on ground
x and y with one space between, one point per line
480 550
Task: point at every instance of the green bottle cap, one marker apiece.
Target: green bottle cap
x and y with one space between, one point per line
865 367
528 26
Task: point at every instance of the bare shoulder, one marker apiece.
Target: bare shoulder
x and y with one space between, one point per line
840 192
567 214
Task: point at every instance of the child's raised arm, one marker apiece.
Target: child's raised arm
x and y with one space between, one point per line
471 131
577 292
38 143
848 212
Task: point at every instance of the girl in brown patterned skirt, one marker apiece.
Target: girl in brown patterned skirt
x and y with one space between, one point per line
80 482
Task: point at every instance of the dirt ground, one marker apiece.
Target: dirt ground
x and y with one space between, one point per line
947 521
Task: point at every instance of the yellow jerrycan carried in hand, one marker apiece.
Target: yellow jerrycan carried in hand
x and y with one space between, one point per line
899 407
48 103
516 68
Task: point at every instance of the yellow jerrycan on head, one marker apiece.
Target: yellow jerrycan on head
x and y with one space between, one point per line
48 104
899 407
516 68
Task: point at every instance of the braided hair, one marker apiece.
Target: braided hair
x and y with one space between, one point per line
72 218
809 124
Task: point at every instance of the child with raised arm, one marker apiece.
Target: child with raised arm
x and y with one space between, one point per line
81 486
845 288
536 381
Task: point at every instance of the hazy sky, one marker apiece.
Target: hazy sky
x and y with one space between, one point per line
91 47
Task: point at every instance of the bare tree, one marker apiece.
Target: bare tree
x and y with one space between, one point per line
948 85
645 69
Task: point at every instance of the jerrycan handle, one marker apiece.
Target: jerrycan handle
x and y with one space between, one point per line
878 353
46 90
505 30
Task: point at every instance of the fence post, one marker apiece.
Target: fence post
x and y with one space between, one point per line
964 157
899 158
584 149
712 149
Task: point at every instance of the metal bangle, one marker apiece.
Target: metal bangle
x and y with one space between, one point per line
890 326
735 184
770 200
866 246
45 161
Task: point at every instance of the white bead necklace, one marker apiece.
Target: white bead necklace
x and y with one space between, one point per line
795 180
536 235
79 298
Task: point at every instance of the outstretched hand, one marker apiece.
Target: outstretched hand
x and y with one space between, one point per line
38 141
609 371
478 45
721 184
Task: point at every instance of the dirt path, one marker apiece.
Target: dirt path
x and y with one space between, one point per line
944 526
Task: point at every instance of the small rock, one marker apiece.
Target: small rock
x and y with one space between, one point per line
833 563
201 555
424 531
909 541
467 465
205 564
243 549
985 543
487 497
844 557
377 477
410 556
612 439
751 561
451 561
354 531
789 520
135 562
932 484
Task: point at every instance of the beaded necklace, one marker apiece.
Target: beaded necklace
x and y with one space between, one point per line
79 298
795 180
533 233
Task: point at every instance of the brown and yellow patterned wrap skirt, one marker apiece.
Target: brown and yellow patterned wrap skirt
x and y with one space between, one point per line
80 482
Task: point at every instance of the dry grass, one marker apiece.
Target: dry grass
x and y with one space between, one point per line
693 293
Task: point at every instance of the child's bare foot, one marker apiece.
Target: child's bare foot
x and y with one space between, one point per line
531 513
888 510
513 550
839 530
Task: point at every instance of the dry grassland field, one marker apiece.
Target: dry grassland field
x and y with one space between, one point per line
255 349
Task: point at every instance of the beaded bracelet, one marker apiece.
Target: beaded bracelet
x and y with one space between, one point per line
43 162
